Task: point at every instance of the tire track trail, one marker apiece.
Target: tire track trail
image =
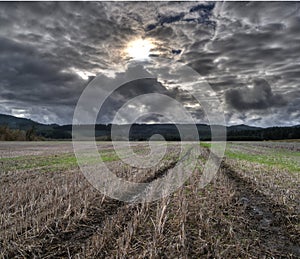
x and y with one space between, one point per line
240 207
277 235
57 241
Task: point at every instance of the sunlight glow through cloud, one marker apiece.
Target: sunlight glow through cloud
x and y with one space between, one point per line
139 49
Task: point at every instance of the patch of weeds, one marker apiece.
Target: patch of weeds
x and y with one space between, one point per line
205 144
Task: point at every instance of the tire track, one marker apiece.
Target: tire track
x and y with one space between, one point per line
55 242
278 237
274 225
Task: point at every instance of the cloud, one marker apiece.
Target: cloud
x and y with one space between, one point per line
125 93
50 51
255 97
139 88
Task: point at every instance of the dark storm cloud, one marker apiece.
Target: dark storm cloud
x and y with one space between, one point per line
258 96
46 45
50 51
204 65
125 93
25 74
133 89
43 45
257 40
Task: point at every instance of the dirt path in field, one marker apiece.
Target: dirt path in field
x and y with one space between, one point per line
269 228
273 222
107 218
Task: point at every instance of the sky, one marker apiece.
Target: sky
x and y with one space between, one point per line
248 53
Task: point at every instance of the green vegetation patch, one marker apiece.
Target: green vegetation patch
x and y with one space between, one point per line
53 161
269 160
205 144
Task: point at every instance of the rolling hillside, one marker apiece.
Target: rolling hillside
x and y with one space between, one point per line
145 131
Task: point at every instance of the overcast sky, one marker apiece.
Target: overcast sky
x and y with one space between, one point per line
249 53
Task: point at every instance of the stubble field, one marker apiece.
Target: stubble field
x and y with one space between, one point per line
250 209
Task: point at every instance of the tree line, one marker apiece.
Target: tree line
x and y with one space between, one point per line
7 134
145 133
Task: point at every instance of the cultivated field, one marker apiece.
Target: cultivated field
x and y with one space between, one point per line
250 210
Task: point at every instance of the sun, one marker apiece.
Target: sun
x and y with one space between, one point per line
139 49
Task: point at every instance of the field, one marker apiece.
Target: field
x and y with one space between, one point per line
250 209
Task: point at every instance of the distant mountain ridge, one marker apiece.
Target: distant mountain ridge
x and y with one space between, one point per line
145 131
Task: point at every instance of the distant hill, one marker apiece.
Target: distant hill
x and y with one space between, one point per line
51 131
242 127
145 131
17 123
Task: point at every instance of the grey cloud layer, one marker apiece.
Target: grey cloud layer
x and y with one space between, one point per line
257 97
44 46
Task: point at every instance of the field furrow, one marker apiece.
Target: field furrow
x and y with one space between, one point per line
272 222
